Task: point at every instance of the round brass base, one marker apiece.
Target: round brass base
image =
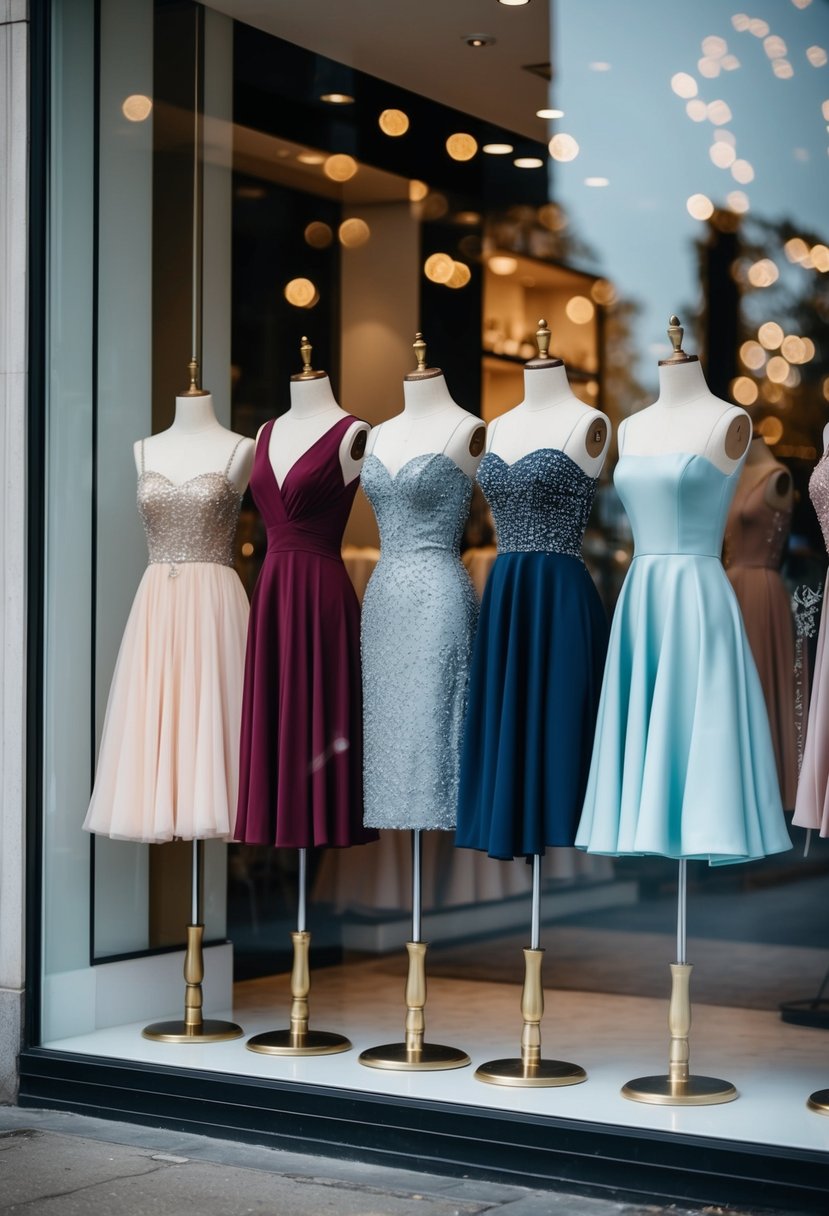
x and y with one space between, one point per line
211 1030
430 1058
544 1073
819 1102
312 1043
696 1091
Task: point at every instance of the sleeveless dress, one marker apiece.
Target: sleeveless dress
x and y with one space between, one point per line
812 804
419 615
300 780
168 761
683 765
537 663
755 537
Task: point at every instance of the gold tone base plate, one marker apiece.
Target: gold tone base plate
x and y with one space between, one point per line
313 1043
696 1091
819 1102
212 1030
431 1058
544 1073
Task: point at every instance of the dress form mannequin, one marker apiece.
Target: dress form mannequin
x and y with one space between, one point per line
550 416
779 492
430 422
314 410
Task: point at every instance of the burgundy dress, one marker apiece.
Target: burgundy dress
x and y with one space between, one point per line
300 779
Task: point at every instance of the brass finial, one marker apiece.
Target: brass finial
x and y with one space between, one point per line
542 338
193 389
307 373
422 372
675 333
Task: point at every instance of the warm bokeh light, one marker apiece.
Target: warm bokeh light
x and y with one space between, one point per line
777 369
722 154
417 191
502 265
758 27
340 167
247 549
528 162
435 205
599 65
338 99
603 292
580 310
549 114
824 109
683 85
439 267
393 122
808 350
782 69
318 235
700 207
460 276
697 110
710 68
353 232
794 349
461 146
752 355
741 22
816 56
763 273
730 63
774 46
742 172
796 249
136 107
467 217
597 181
770 335
563 147
718 112
301 293
771 429
723 136
819 255
497 149
826 387
801 3
737 201
552 217
714 46
744 391
311 158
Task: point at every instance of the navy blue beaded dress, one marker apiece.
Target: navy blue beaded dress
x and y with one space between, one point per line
537 663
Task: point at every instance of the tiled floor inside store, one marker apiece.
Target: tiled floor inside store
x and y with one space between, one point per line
774 1066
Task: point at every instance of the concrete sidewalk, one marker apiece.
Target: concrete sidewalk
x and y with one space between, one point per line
55 1164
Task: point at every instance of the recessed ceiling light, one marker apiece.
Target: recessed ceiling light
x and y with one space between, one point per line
549 113
310 158
478 39
528 162
596 181
337 99
514 3
497 149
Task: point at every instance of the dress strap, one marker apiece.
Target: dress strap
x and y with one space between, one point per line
142 458
453 433
573 430
230 458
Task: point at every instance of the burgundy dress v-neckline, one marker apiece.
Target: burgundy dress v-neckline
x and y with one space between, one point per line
300 783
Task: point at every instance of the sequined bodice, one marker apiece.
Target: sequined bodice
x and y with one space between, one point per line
423 506
756 533
540 503
819 494
192 522
677 502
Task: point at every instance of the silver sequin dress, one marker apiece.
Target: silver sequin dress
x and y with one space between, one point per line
168 761
418 623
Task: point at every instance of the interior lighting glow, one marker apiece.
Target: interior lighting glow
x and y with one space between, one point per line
547 113
820 258
758 28
709 68
552 217
340 167
700 207
502 265
528 162
771 429
599 65
353 233
718 113
714 46
793 348
801 3
752 355
722 154
439 267
782 69
247 549
417 191
824 109
744 391
301 293
696 110
770 335
808 350
461 146
825 388
136 107
460 276
393 123
603 292
743 172
514 3
338 99
737 201
741 22
730 63
580 310
310 158
684 85
597 181
563 147
796 249
816 56
778 369
774 46
763 273
497 149
318 235
793 378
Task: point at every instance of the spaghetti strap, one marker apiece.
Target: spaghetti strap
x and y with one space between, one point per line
231 456
142 458
454 432
573 430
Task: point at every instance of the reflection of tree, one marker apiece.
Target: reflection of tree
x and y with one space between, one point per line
624 393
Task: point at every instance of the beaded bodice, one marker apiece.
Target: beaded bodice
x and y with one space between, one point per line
191 522
423 506
540 503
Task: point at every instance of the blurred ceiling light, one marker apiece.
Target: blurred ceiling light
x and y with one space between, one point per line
497 149
796 249
793 378
603 292
310 158
700 207
737 201
318 235
247 549
597 181
340 167
683 85
730 63
771 429
820 258
808 350
502 265
744 391
774 46
710 68
714 47
563 147
478 40
528 162
460 276
467 217
743 172
599 65
417 191
439 267
549 113
793 348
552 217
696 110
816 56
718 113
136 107
741 22
435 205
770 335
461 146
721 136
353 232
801 3
338 99
763 273
752 355
580 310
514 3
782 69
824 109
393 123
301 293
777 369
758 28
250 192
721 154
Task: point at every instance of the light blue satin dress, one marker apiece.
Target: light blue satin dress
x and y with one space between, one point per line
683 764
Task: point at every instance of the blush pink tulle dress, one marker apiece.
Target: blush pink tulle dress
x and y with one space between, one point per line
168 761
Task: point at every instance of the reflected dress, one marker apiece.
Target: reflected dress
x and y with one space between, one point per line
537 664
683 764
812 804
168 761
300 778
419 615
755 537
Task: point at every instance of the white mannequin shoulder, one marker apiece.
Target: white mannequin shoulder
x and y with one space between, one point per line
431 423
196 443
